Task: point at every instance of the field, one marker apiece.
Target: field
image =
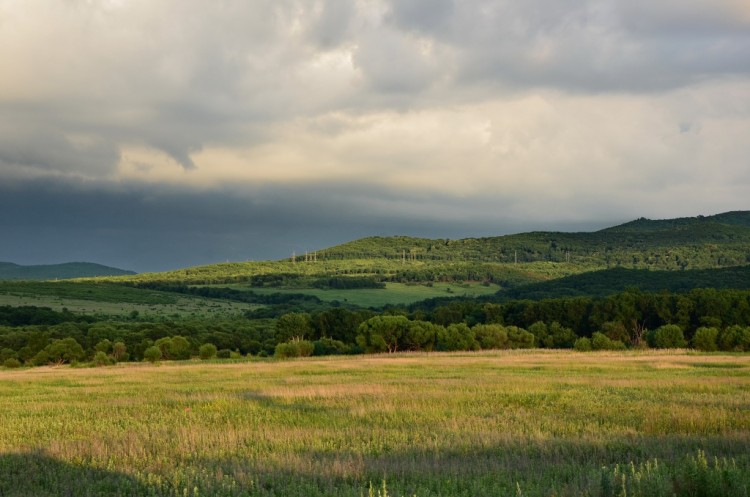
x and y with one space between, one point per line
393 293
529 423
115 300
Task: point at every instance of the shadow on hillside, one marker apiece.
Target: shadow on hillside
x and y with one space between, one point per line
38 475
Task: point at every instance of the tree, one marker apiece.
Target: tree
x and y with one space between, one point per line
383 333
61 351
491 336
119 351
103 346
174 348
559 337
518 338
421 335
456 337
293 325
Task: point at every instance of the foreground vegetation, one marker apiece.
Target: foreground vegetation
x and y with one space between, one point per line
503 423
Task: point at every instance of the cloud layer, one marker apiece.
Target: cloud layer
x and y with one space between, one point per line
485 112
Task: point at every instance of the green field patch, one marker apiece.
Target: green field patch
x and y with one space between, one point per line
158 305
392 294
718 365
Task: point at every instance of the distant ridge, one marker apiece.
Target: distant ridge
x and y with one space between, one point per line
700 242
68 270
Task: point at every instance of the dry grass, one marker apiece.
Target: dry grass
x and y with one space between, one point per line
482 423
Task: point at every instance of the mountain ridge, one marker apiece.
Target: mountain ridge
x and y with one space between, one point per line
66 270
718 241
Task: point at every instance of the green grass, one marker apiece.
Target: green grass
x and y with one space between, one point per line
106 299
474 424
393 293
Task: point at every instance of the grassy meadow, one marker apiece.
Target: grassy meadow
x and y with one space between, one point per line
115 300
535 423
392 294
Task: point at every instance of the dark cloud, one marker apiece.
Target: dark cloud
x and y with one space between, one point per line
154 228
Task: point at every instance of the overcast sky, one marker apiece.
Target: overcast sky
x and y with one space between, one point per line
159 134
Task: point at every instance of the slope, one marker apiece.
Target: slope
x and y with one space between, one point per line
10 271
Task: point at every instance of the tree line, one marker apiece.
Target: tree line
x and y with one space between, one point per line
707 319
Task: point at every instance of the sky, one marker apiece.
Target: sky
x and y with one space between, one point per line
158 134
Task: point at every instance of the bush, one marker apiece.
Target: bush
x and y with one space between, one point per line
224 354
306 348
294 348
152 354
491 336
456 337
119 351
669 336
6 354
329 346
12 363
705 339
600 341
287 350
40 359
518 338
583 344
101 359
207 351
735 338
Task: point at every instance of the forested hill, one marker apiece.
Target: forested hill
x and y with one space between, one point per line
10 271
686 243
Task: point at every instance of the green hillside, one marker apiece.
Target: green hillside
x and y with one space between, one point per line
676 244
513 260
69 270
611 281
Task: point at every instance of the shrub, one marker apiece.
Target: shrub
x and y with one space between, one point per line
40 359
287 350
6 354
329 346
207 351
456 337
669 336
12 363
705 339
600 341
224 354
101 359
491 336
518 338
104 346
583 344
119 351
152 354
294 348
306 348
559 337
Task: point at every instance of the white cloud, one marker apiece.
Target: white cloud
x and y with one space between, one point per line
532 103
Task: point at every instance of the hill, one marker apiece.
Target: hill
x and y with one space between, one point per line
612 281
708 242
687 243
69 270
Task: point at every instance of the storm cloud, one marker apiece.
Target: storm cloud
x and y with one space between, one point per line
233 130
